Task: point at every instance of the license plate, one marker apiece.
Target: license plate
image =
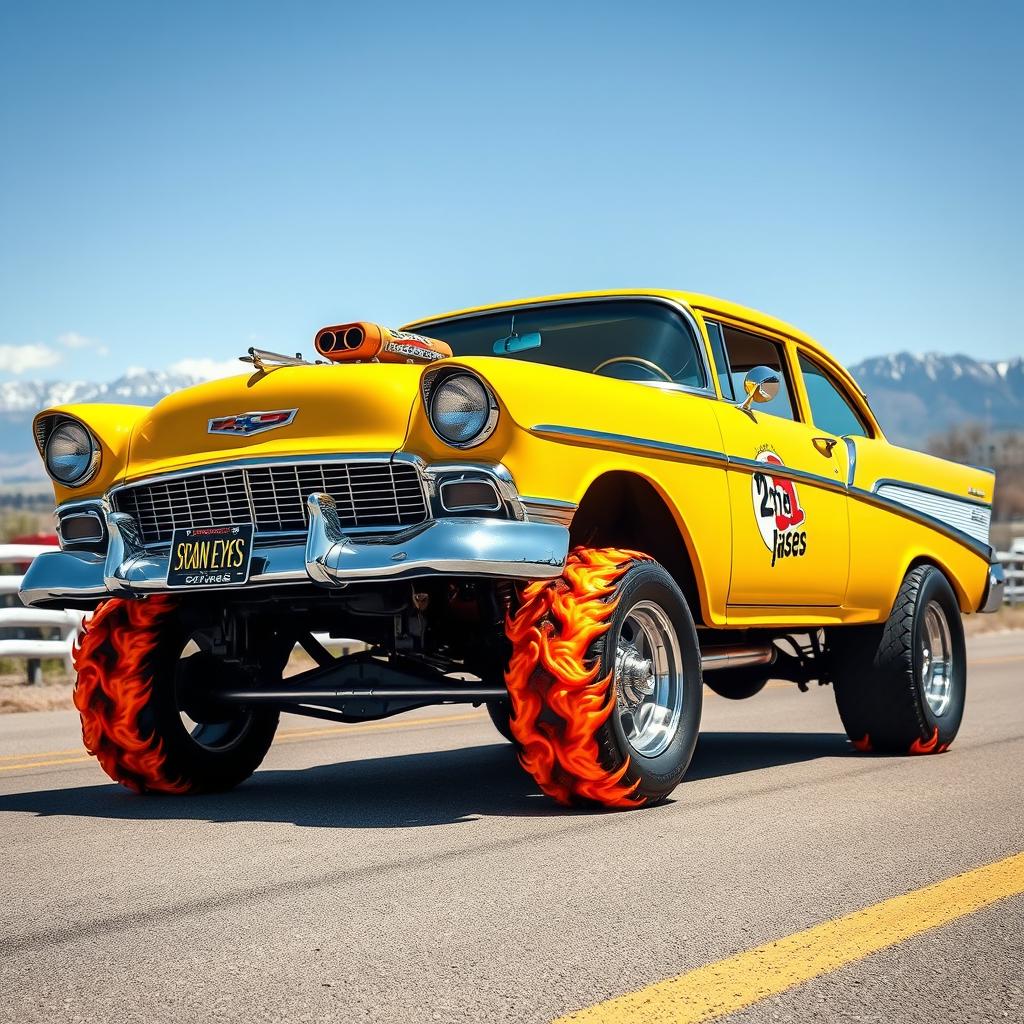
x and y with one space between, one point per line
208 556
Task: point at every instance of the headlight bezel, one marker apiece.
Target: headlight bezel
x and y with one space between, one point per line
91 452
434 385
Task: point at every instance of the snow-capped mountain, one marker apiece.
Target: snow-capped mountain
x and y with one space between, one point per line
137 386
916 396
20 400
913 396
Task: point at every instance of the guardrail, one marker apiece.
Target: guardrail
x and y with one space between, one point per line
1013 566
13 616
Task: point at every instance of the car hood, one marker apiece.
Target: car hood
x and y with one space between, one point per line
337 409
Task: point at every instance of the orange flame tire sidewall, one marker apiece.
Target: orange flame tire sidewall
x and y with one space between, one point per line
115 663
558 702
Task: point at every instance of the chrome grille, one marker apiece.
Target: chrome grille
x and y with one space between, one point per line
375 495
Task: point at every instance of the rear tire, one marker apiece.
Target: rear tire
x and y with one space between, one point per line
605 681
142 709
901 687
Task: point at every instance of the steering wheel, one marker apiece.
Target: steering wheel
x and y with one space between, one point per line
638 361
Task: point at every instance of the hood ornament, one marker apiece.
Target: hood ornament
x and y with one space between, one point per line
246 423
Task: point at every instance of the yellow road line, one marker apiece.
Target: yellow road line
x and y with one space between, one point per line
717 989
291 736
44 764
40 753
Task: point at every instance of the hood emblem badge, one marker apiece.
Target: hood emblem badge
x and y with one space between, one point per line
247 423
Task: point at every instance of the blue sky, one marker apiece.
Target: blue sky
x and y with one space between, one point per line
179 181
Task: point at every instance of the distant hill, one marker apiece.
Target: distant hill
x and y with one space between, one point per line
917 396
913 396
20 400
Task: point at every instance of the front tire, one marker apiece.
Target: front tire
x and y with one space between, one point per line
901 687
143 716
605 680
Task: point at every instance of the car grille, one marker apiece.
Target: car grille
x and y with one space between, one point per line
376 495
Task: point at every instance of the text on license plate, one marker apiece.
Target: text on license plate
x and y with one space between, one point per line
203 556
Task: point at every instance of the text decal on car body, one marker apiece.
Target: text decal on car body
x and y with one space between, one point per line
246 423
778 511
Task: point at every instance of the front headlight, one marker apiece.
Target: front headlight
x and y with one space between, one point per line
462 411
72 454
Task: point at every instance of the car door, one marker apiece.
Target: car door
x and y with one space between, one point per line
787 484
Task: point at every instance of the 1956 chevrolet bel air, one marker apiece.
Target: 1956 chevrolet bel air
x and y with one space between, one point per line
572 509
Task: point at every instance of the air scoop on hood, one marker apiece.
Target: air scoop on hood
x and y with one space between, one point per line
285 410
364 342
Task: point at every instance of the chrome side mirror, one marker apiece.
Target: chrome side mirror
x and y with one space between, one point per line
761 385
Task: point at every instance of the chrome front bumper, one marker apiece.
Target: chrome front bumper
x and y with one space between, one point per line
995 589
495 548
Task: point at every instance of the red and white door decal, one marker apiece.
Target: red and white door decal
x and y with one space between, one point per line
777 509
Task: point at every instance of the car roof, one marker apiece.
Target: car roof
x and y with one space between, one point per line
703 303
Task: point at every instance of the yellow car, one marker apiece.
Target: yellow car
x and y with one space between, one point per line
571 509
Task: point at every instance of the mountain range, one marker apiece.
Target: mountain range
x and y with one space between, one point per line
913 397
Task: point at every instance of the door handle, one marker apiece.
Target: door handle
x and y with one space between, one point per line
824 445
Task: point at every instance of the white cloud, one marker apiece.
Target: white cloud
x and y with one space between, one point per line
208 369
19 358
74 340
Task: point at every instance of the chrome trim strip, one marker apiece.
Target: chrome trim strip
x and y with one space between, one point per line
995 589
583 434
678 307
272 460
851 458
550 510
753 466
977 546
924 489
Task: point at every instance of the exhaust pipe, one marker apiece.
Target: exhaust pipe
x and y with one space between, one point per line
736 656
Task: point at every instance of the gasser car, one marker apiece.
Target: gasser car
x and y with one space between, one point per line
571 509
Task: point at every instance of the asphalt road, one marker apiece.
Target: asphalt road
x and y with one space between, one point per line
408 871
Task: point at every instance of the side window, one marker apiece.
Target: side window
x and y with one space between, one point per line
745 351
831 410
721 360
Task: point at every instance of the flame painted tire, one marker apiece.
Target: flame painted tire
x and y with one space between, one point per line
901 687
133 690
605 680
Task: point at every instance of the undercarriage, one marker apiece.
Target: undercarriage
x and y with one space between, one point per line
409 645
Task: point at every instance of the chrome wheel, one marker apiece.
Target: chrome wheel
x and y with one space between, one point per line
648 679
936 659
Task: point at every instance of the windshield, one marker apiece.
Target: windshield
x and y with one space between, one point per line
629 339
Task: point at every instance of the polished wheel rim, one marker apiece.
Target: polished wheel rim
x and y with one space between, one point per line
936 660
648 679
